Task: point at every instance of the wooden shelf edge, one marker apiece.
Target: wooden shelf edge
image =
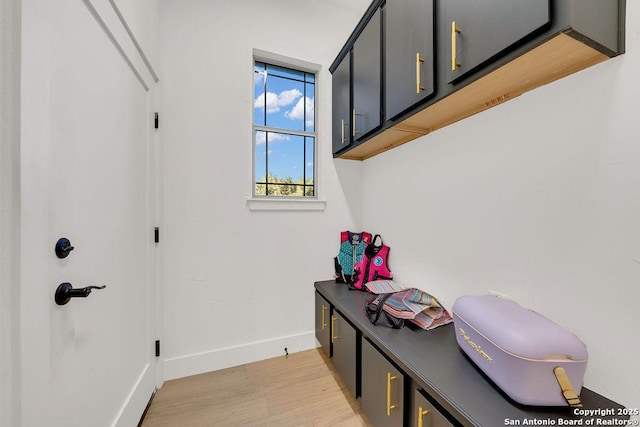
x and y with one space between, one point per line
384 141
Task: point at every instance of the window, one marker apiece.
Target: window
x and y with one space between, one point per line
284 131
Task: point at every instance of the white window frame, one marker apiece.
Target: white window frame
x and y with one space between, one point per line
265 202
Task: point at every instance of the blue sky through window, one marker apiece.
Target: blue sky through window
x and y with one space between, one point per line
284 100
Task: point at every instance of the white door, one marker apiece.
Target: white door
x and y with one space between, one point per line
86 174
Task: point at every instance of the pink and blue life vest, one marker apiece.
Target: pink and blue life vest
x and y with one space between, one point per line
374 264
352 246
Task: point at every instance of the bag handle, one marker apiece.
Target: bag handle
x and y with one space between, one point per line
568 392
378 309
374 314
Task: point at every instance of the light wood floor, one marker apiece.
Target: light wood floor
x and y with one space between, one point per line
302 389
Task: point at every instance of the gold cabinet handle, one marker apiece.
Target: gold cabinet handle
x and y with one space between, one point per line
333 329
389 405
418 62
324 325
353 120
421 414
454 63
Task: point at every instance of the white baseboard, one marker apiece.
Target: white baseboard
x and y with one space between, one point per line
199 363
137 400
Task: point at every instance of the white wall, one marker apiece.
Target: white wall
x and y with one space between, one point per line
538 198
239 283
9 208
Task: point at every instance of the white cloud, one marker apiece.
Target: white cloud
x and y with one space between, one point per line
277 101
261 138
297 112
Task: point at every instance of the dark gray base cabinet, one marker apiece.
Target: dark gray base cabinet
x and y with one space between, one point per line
405 377
344 339
339 340
422 413
323 325
382 396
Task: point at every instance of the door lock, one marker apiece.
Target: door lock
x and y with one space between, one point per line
63 247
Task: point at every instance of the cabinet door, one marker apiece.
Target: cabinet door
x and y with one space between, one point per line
341 103
343 337
323 328
382 391
409 54
424 414
481 29
365 115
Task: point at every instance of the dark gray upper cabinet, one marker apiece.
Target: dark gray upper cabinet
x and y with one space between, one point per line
480 29
365 115
341 104
503 48
409 54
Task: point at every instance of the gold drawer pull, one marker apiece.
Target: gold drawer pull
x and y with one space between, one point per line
333 329
324 325
454 30
389 405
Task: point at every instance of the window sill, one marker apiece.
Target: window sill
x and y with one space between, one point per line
274 204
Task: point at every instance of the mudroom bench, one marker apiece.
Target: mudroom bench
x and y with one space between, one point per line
407 377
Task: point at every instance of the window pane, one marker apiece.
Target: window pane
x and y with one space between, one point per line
274 70
310 107
309 167
284 103
309 77
309 159
260 162
285 190
280 168
286 157
259 99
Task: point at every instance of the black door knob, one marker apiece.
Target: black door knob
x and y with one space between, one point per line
63 247
65 292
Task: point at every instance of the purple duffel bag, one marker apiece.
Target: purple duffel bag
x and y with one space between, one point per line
530 358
